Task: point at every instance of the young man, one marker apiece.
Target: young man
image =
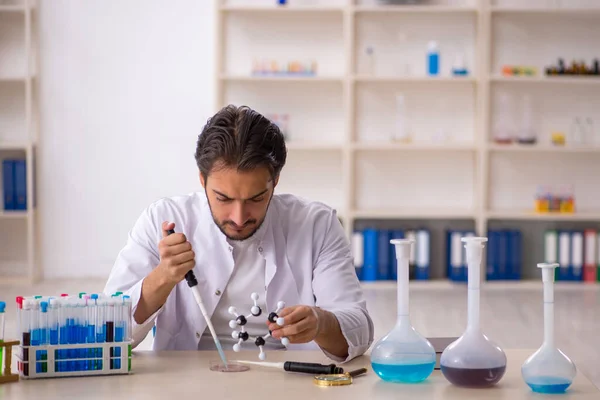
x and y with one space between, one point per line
239 238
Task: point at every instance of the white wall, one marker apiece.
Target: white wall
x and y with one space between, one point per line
125 88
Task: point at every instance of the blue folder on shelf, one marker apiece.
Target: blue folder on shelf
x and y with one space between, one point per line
371 247
8 185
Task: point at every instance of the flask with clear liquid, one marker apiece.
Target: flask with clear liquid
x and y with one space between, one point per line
548 370
473 360
403 355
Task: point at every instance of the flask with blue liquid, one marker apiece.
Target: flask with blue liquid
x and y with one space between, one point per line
403 355
548 370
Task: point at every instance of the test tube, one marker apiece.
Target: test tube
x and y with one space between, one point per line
100 327
26 334
34 321
53 324
90 336
127 319
63 335
44 335
2 308
119 328
110 327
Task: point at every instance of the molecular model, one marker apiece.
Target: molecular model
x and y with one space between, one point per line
241 320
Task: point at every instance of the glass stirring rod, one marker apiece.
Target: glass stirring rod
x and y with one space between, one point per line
193 284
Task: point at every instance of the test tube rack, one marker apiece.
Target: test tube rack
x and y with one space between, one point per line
6 374
85 359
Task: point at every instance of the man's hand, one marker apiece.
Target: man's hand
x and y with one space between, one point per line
176 255
176 259
303 324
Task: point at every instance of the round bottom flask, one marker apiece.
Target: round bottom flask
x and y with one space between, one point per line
473 360
548 370
403 355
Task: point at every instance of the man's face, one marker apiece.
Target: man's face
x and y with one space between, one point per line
238 200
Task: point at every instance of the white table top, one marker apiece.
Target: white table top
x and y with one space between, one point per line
179 375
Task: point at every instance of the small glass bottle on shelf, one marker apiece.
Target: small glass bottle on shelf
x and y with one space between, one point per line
503 131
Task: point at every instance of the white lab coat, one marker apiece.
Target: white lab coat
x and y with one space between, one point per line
308 261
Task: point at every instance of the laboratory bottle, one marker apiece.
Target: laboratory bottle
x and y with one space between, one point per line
503 130
473 360
527 132
403 355
433 58
548 370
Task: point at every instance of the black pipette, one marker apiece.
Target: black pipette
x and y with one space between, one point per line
193 284
294 366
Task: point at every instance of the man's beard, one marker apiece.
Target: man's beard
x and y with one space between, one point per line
223 225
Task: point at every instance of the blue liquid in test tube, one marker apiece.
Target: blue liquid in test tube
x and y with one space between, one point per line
100 327
63 335
44 336
119 330
53 308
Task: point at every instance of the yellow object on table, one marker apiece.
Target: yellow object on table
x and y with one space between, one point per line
6 374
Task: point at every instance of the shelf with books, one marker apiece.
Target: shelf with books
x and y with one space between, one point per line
413 213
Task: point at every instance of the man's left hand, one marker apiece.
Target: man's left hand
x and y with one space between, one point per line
301 324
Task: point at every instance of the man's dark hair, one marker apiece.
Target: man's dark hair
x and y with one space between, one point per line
239 137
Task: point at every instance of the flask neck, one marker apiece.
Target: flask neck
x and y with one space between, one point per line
473 309
402 282
548 323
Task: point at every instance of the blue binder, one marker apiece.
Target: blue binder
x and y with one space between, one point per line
564 255
492 255
8 184
503 255
383 255
577 256
515 243
396 234
20 185
371 264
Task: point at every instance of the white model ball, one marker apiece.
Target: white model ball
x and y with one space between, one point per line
236 347
280 321
232 310
285 341
254 296
233 324
255 310
262 356
235 334
281 304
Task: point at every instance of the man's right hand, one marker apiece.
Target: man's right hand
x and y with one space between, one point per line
176 255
